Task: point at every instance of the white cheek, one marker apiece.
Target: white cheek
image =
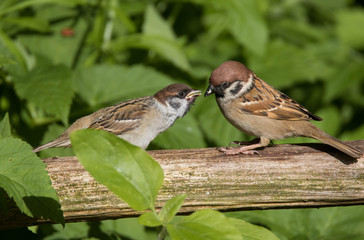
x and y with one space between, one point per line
171 112
248 85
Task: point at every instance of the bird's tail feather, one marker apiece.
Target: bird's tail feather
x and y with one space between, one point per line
55 143
336 143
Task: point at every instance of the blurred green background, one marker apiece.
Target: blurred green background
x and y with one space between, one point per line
60 60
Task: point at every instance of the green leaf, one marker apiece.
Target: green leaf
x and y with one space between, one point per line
118 83
252 232
125 169
79 230
185 133
5 127
150 219
159 36
124 18
58 48
286 64
247 25
327 7
331 120
294 140
356 134
171 208
155 25
166 48
5 61
49 88
204 224
166 214
299 32
32 23
343 77
28 3
128 228
24 178
316 224
215 126
13 49
119 229
348 23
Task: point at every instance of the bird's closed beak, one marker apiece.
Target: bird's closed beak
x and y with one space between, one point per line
193 95
209 91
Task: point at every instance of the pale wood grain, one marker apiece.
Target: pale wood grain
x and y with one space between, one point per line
282 176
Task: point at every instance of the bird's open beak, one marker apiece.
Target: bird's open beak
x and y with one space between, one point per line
193 95
209 91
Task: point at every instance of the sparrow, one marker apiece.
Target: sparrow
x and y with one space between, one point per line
138 120
256 108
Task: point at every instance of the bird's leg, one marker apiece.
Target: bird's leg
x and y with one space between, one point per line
239 143
249 149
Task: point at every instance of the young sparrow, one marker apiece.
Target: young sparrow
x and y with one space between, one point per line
258 109
138 120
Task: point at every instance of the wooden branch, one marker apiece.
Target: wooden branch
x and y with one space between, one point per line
282 176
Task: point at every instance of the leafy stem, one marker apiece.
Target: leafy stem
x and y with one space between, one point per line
163 233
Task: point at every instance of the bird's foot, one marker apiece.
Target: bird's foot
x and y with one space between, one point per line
247 149
234 151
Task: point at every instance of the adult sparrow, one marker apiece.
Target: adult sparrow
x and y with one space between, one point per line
138 120
258 109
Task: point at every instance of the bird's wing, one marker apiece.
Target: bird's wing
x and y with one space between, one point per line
123 117
264 100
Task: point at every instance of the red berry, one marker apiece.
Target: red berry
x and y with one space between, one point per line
68 32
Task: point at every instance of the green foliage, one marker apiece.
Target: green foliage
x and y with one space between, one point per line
61 60
171 208
204 224
150 219
185 133
159 37
31 190
166 214
325 223
219 130
118 83
96 54
344 79
252 232
245 21
126 228
49 87
125 169
348 23
5 127
136 177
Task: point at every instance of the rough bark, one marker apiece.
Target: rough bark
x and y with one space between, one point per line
282 176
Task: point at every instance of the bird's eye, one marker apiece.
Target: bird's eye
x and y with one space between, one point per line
181 94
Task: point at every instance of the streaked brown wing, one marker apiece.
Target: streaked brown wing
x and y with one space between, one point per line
123 117
264 100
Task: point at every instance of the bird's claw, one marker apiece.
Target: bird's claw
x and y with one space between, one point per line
236 151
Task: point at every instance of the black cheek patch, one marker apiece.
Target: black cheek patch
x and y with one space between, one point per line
237 89
175 105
